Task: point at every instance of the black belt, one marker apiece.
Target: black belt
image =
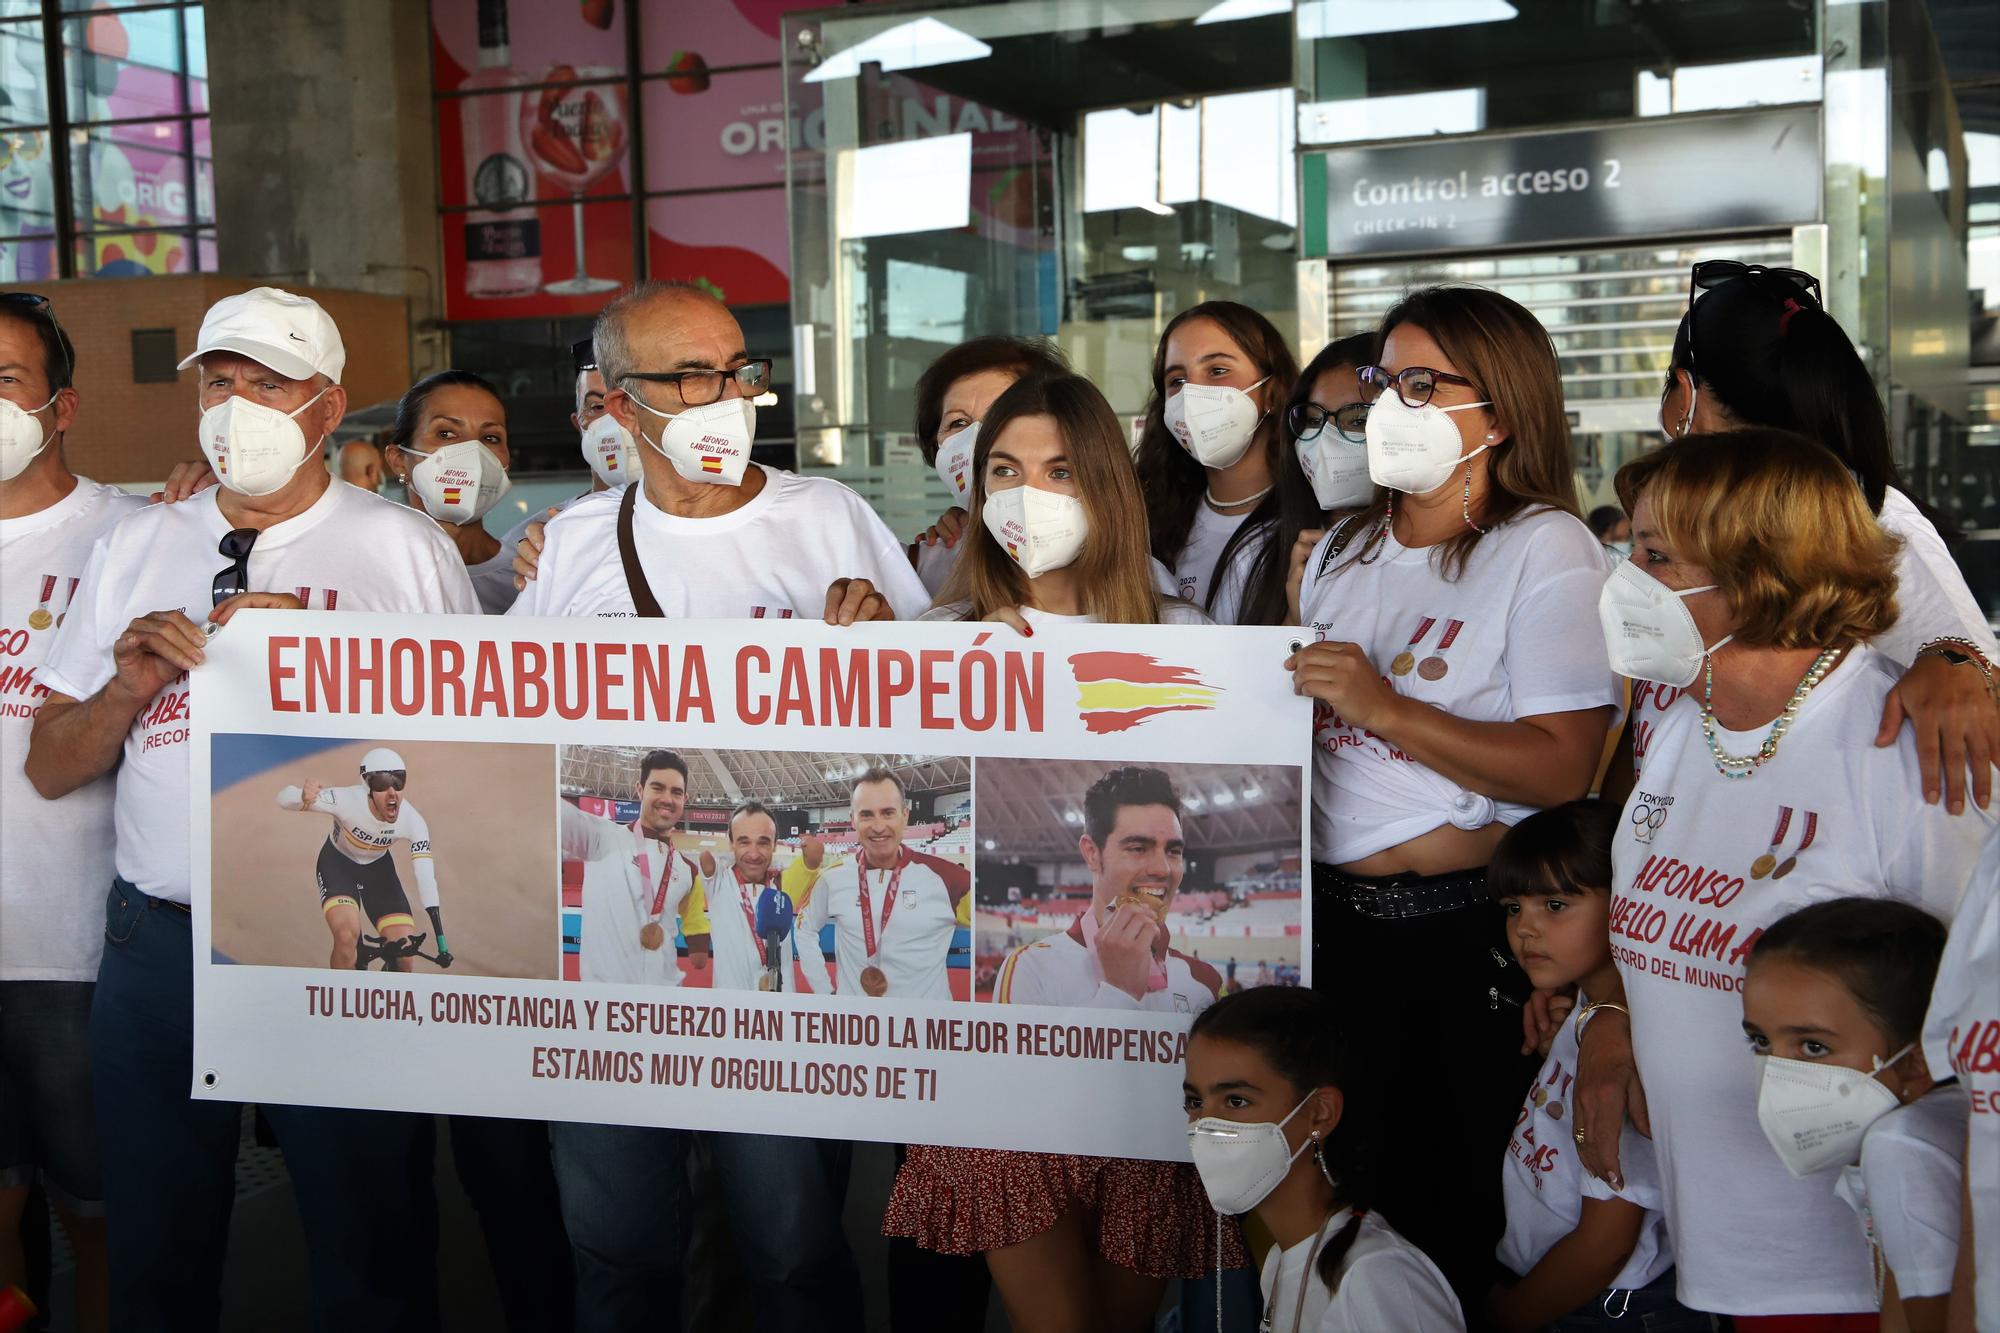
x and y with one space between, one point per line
1396 897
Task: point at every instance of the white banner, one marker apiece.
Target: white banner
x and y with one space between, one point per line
950 917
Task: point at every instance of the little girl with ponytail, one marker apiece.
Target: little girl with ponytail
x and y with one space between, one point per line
1272 1127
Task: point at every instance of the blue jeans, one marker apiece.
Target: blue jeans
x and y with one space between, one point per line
625 1204
1650 1309
169 1160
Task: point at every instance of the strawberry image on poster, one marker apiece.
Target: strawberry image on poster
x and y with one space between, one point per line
687 73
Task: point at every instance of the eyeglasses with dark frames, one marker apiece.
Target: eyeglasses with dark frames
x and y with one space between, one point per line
699 388
1307 420
1413 384
235 577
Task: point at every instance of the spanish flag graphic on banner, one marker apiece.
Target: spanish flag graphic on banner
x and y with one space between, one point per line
1118 691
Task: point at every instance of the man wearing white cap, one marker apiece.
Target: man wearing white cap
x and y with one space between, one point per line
288 535
358 884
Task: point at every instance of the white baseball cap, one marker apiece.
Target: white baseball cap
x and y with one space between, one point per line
291 334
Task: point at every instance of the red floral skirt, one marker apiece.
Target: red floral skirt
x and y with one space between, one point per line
1150 1217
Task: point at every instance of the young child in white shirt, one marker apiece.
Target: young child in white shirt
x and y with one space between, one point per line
1272 1132
1583 1255
1833 1005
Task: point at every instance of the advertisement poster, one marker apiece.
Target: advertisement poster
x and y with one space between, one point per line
535 121
924 883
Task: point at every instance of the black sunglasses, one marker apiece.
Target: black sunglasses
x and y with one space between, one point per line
235 578
1790 283
39 306
1308 419
389 779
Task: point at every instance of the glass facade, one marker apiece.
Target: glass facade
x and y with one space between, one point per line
106 167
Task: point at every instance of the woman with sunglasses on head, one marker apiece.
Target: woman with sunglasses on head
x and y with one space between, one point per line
1056 534
1453 647
1757 348
1219 487
449 449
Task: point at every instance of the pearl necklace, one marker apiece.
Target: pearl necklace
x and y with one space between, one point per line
1744 765
1219 506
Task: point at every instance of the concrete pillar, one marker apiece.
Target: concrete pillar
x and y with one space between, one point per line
325 171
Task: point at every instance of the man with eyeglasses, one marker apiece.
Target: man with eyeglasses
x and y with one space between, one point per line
358 884
709 534
54 858
291 536
706 533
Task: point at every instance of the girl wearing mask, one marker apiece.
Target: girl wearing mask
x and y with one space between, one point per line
1057 527
449 449
1057 533
1833 1005
1272 1105
1757 580
1219 487
1451 639
953 394
1757 349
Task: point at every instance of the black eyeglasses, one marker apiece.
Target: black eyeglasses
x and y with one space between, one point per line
235 548
1414 385
39 306
1307 420
699 388
389 779
1788 283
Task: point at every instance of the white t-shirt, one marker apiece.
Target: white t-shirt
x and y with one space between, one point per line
1195 572
1848 820
630 881
1385 1283
364 839
512 538
1062 969
1932 600
935 564
1905 1190
55 856
351 551
912 911
1962 1036
493 582
727 907
773 557
1544 1183
1517 635
1173 611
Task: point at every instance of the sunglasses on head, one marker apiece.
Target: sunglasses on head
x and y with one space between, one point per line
1790 284
387 780
30 303
235 548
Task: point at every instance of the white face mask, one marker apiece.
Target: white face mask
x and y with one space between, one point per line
1623 550
1415 449
954 462
459 482
1040 529
610 450
1816 1114
22 437
1337 468
254 449
1648 629
710 443
1214 422
1241 1164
